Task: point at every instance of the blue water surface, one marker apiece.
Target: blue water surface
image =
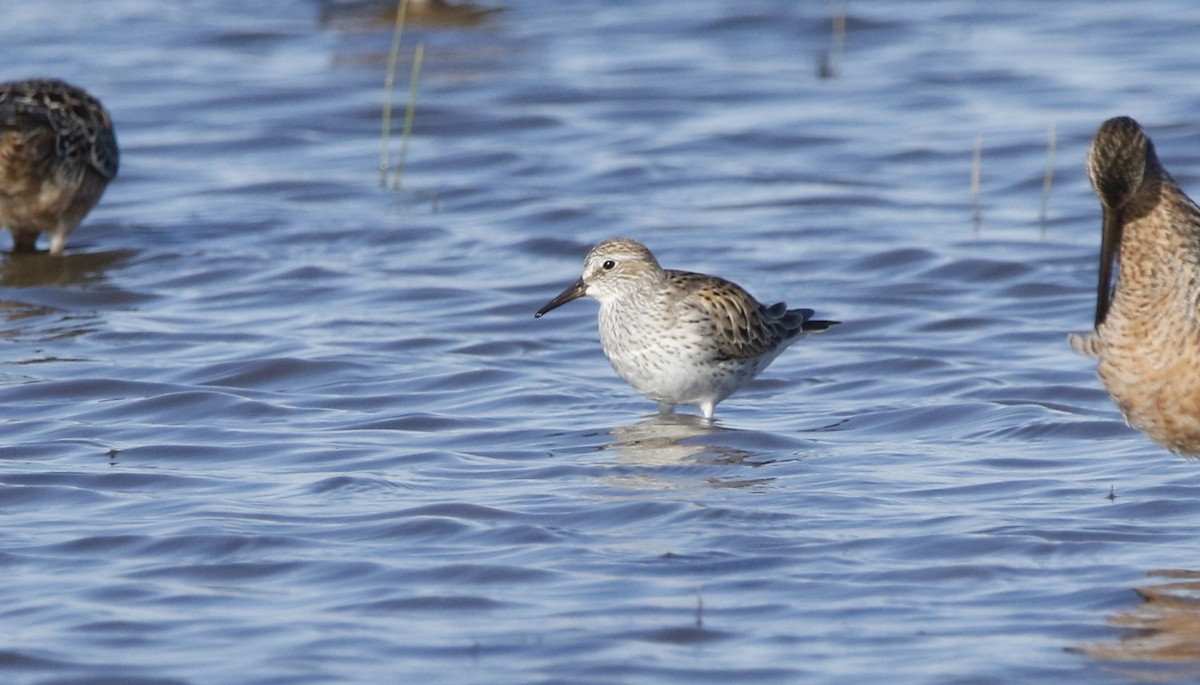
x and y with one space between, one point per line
269 422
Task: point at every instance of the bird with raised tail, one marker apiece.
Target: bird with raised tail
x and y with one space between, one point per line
1147 324
679 337
57 155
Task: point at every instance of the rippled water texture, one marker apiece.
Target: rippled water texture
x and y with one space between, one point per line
267 422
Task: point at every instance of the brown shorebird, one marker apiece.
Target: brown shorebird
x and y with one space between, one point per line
57 155
1147 329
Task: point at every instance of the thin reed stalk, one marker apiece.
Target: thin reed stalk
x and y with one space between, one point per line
829 64
1048 178
839 38
414 78
389 83
976 172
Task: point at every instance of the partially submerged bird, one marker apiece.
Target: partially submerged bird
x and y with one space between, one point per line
680 337
57 155
1147 326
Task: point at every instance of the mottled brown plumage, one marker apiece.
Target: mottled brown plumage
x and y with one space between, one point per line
57 155
680 337
1147 324
740 327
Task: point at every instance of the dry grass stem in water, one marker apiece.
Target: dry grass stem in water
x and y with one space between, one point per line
830 63
976 163
418 57
1048 179
389 83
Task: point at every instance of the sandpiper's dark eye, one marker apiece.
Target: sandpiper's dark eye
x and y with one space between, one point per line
609 264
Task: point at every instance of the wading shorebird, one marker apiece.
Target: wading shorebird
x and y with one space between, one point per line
1147 329
57 155
679 337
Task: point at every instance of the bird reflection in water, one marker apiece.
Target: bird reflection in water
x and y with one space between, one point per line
31 270
365 15
53 310
678 440
1163 642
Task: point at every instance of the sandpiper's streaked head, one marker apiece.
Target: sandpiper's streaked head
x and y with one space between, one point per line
680 337
57 154
612 268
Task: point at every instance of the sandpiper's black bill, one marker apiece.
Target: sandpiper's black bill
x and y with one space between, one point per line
574 292
1110 246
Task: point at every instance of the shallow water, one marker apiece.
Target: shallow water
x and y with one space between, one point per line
267 422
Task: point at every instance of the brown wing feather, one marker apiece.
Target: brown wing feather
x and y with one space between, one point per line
81 127
742 328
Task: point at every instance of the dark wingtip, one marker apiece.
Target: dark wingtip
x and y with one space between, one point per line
818 325
806 322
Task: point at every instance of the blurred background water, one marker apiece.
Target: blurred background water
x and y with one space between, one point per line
268 422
